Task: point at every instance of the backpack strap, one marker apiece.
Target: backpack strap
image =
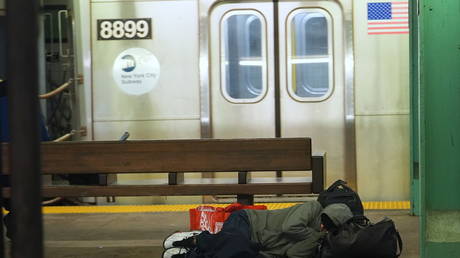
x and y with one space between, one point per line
400 243
360 220
337 184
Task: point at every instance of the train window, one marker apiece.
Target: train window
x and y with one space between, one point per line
243 56
309 55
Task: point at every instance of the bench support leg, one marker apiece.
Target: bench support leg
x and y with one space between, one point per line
175 178
245 199
318 172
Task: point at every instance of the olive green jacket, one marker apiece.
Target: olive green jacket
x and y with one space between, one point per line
292 232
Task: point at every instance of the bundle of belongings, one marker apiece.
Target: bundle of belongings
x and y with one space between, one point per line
357 237
334 226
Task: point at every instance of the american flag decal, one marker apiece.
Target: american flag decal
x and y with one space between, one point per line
387 18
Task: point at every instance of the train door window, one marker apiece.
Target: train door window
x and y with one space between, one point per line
309 55
243 56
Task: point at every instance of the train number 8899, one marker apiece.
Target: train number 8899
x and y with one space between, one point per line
124 29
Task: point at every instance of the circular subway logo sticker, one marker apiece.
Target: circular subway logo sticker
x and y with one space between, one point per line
136 71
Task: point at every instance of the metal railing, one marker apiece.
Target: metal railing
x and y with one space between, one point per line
57 90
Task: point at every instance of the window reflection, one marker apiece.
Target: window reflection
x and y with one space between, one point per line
243 56
310 58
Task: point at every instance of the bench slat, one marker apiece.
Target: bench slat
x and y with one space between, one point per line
274 154
173 190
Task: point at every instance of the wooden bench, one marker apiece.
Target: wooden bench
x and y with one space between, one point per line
181 156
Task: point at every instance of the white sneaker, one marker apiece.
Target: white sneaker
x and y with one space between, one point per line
178 236
174 252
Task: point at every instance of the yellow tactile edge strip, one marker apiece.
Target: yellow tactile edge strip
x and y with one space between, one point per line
395 205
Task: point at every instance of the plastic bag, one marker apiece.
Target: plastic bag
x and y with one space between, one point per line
208 218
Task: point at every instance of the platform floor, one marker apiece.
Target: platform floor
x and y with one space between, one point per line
140 235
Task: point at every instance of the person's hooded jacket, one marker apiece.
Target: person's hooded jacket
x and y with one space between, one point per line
293 232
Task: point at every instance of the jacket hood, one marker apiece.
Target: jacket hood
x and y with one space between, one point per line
339 213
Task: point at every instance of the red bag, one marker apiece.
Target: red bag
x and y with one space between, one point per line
205 218
212 218
238 206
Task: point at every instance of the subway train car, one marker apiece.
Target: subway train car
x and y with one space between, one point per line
333 70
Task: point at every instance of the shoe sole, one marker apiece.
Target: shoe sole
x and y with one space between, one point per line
164 240
164 251
163 254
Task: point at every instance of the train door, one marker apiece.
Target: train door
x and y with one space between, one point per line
242 86
312 85
311 80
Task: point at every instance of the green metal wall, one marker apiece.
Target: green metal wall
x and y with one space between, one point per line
439 105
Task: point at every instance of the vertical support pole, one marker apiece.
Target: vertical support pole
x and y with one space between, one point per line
2 246
3 52
22 37
318 172
414 114
245 199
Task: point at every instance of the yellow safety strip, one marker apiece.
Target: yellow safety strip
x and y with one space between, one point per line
396 205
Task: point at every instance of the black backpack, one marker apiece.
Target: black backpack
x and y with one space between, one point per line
358 238
340 192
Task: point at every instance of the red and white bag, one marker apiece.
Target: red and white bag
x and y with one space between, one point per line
212 218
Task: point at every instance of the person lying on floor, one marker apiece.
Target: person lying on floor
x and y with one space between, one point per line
293 232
